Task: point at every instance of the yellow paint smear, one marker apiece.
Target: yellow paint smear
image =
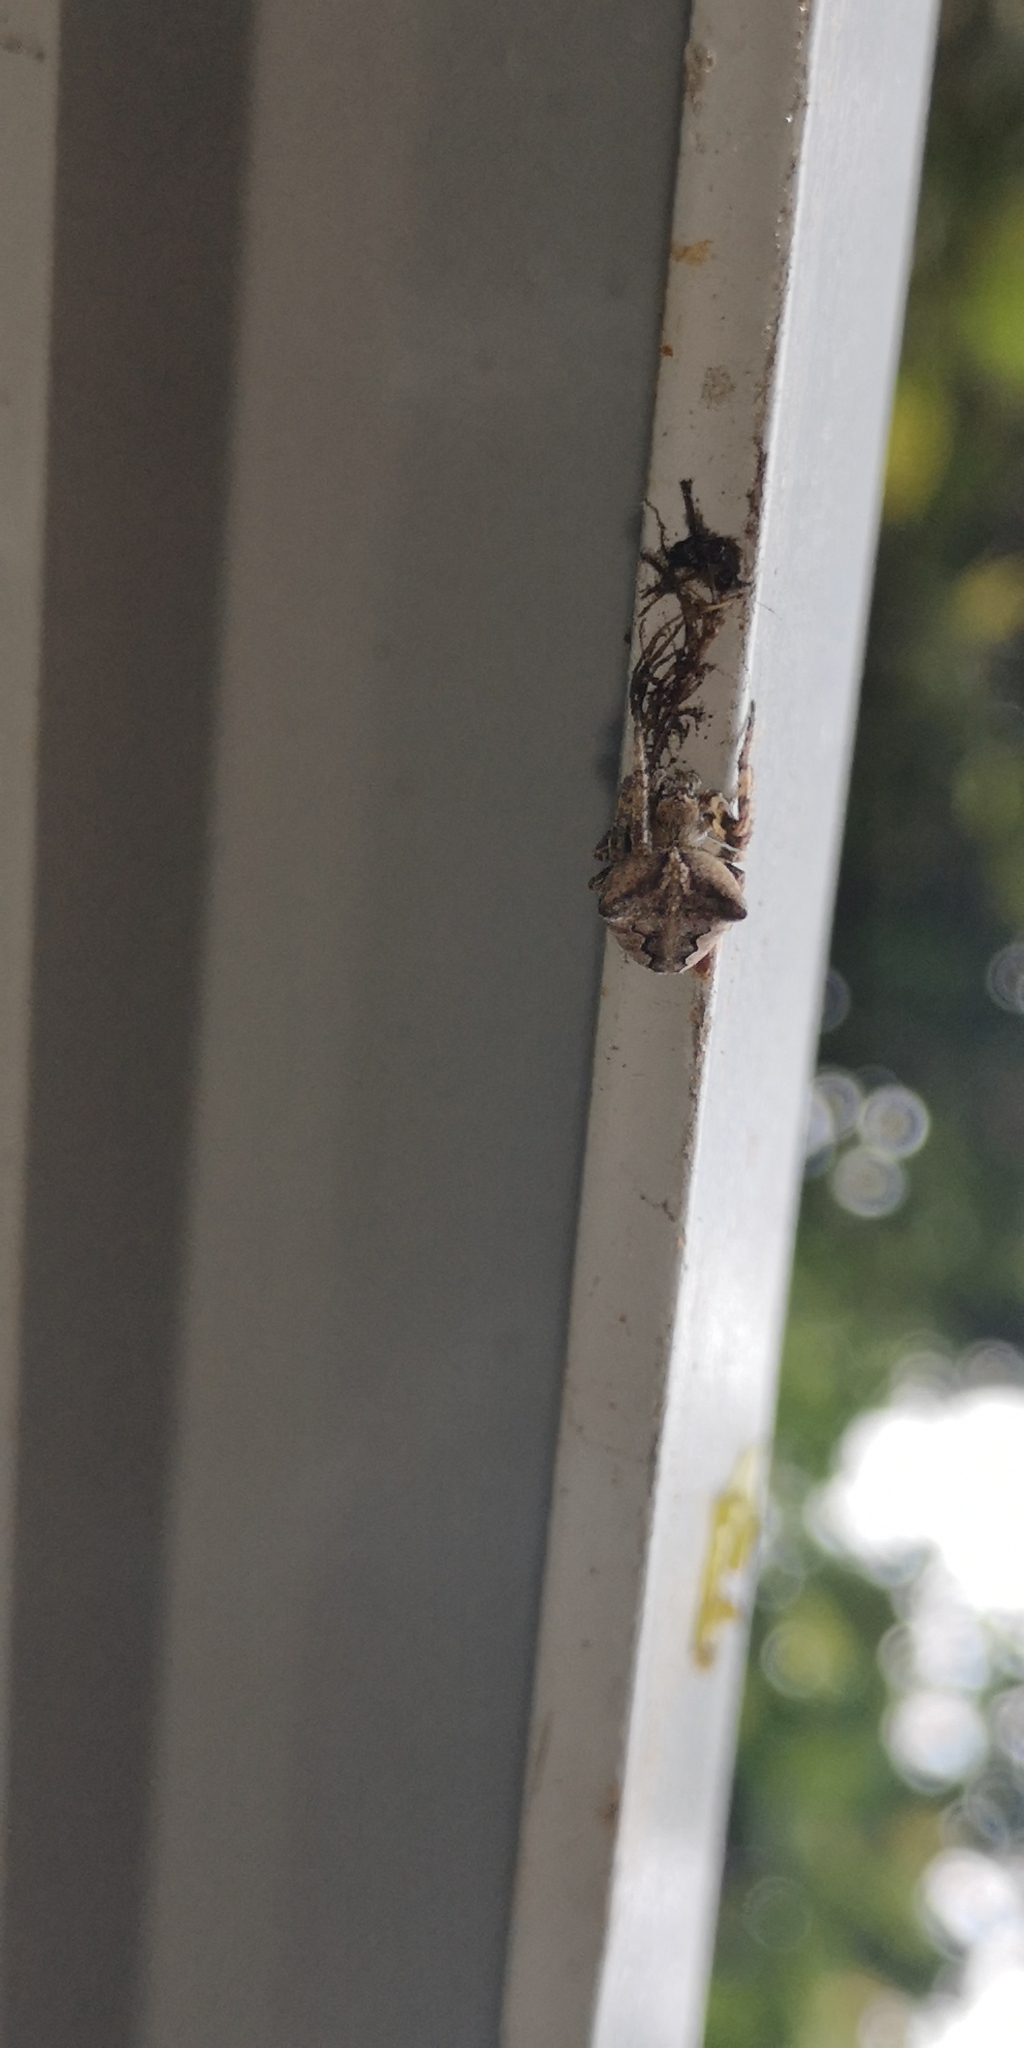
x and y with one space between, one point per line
735 1527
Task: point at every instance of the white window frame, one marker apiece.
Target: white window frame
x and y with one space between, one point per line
801 145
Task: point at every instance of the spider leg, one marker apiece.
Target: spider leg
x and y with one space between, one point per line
693 519
738 833
662 535
720 600
675 646
643 772
652 595
705 965
663 641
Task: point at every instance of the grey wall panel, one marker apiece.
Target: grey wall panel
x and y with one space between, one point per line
454 266
327 735
28 127
149 169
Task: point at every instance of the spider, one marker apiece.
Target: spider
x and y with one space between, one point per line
672 881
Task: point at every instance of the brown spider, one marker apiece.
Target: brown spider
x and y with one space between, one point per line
672 883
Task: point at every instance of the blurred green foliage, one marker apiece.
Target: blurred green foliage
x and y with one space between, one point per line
932 885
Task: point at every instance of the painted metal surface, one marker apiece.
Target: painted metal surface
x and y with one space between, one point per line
797 182
456 217
28 128
336 580
130 367
348 371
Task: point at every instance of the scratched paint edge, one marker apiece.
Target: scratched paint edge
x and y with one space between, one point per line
670 1380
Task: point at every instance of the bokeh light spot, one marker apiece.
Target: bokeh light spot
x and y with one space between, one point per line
836 1001
935 1738
843 1094
893 1122
987 601
812 1654
969 1896
1004 978
920 445
991 316
777 1914
866 1185
939 1475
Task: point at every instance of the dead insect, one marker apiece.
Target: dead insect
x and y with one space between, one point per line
672 880
712 559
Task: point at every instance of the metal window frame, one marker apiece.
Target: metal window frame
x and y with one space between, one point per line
247 1497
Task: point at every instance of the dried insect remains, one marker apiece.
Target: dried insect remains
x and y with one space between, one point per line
671 881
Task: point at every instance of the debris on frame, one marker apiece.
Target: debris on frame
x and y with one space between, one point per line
671 879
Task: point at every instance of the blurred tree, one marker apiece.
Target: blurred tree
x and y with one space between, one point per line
931 888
